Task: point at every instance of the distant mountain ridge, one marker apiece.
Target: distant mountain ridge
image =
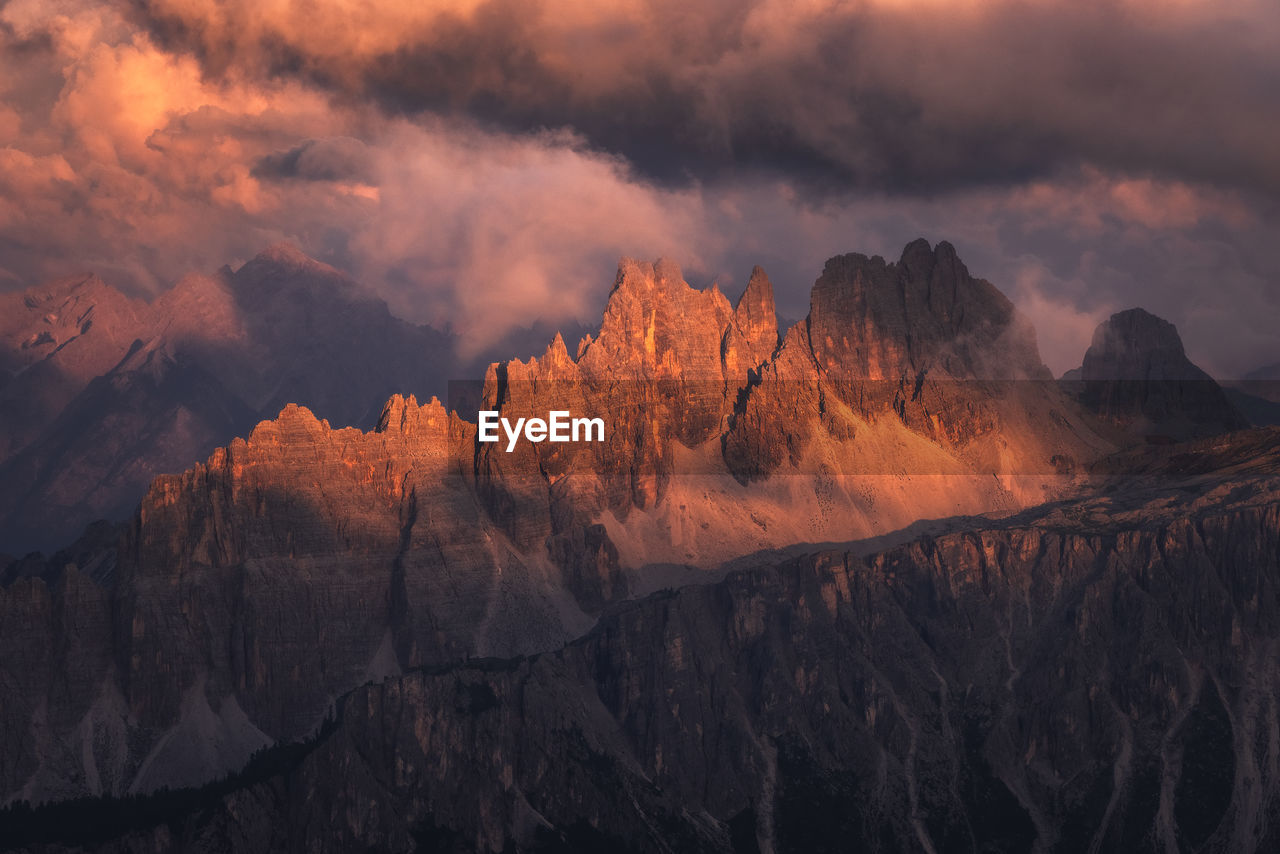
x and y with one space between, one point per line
1266 373
1137 375
107 392
1257 395
99 393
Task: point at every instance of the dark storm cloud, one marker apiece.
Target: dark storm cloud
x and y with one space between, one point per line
485 165
912 96
328 159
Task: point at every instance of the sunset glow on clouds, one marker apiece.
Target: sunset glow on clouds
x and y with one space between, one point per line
486 162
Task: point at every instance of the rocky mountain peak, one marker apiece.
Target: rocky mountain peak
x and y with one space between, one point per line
755 313
920 260
1136 374
918 347
753 334
655 323
1137 345
557 354
633 277
924 314
404 416
285 254
293 418
667 273
282 271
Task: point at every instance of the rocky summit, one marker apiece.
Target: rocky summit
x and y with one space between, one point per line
1137 375
929 599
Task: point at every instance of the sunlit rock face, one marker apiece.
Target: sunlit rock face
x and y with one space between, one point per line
1137 375
300 562
753 334
914 368
911 391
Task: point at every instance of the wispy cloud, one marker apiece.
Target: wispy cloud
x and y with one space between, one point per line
486 163
901 95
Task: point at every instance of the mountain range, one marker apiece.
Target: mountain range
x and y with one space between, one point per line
99 393
880 558
1041 682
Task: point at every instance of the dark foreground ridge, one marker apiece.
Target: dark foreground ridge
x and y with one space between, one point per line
1090 675
91 822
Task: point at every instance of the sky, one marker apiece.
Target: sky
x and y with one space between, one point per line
486 162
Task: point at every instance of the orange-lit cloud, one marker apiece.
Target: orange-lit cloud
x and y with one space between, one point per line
485 163
898 95
144 168
1097 201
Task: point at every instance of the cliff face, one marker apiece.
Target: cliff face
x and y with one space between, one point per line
257 586
1090 675
911 391
1137 375
294 565
879 321
911 368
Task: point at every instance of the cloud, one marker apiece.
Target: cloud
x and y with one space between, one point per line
327 159
143 168
494 232
1063 329
1095 202
486 165
916 96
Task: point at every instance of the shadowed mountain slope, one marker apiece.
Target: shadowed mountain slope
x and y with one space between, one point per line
1137 375
1096 674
